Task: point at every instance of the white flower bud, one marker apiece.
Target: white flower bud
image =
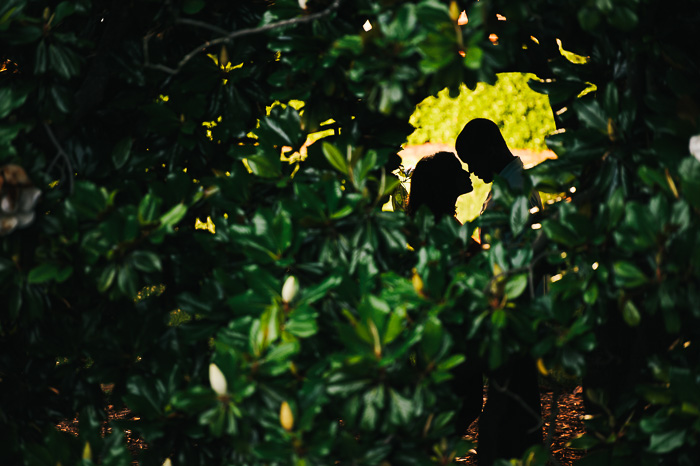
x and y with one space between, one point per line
27 199
302 4
7 205
24 219
694 146
286 416
290 289
217 380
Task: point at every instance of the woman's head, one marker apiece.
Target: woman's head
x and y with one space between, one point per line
437 181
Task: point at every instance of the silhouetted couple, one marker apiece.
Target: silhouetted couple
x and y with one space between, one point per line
510 421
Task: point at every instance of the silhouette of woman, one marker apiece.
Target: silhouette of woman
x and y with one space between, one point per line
437 181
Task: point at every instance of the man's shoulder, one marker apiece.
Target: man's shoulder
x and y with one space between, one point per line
513 173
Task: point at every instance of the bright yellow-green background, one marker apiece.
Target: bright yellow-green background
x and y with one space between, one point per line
524 116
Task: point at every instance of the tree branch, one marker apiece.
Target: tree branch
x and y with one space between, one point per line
232 35
526 268
202 24
536 416
61 154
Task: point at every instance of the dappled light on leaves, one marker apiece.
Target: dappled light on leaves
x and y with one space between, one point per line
210 270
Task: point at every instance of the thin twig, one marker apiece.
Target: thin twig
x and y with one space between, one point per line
201 24
528 268
521 402
554 409
61 154
232 35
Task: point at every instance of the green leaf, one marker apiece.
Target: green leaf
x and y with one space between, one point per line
115 451
519 214
89 199
9 100
499 318
591 114
6 17
631 314
352 43
453 361
42 273
146 261
302 322
473 57
315 292
64 273
616 204
516 285
104 282
148 208
558 91
335 158
7 267
433 335
193 400
403 25
559 233
667 441
283 351
689 171
590 296
282 127
264 166
583 442
40 59
121 152
192 7
401 408
628 275
25 35
611 99
63 10
623 18
63 61
61 98
126 281
142 397
191 303
588 18
393 328
47 272
172 217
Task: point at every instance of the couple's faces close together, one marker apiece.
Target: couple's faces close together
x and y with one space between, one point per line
461 179
481 169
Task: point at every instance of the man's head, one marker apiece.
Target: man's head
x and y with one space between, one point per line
481 146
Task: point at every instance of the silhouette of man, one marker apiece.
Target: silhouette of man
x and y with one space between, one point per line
510 422
481 146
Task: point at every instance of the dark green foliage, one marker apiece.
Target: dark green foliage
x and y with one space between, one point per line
134 133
